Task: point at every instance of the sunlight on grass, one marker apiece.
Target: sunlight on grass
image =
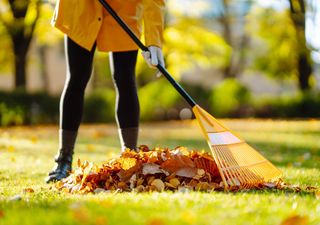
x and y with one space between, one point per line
26 156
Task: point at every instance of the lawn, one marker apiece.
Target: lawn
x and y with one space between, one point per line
26 156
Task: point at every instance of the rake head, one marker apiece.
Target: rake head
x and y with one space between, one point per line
239 164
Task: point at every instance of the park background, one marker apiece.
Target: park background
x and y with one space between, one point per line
236 58
254 64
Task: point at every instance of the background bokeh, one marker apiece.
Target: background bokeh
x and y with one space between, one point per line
237 58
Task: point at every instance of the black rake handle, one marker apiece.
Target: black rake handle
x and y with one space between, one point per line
165 73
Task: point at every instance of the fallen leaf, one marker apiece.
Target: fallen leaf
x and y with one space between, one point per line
127 163
11 148
208 164
295 220
317 195
177 162
174 182
152 168
158 184
1 214
100 221
187 172
270 185
125 175
28 190
155 221
91 148
140 188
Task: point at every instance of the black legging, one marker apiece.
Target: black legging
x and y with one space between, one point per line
79 68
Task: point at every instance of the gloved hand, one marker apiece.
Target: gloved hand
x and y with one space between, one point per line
154 57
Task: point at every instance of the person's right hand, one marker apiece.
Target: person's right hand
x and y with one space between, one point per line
153 57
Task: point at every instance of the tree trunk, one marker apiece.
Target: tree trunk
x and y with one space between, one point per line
21 35
20 69
305 71
304 63
43 67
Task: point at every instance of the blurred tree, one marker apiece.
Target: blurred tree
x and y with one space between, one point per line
232 20
20 18
283 50
274 45
304 64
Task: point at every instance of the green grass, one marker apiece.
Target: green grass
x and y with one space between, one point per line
26 156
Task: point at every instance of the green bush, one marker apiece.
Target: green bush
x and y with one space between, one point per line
10 116
19 108
156 100
302 105
100 106
230 98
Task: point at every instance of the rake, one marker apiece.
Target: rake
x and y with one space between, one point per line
239 164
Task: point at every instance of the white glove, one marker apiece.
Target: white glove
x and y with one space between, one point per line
153 57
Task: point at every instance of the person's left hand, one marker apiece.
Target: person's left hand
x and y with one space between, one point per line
153 57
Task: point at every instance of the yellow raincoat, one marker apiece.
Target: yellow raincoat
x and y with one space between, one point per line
87 22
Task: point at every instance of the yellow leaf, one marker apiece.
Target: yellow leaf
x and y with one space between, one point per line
318 195
158 184
11 148
90 148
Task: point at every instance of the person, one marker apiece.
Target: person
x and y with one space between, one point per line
88 26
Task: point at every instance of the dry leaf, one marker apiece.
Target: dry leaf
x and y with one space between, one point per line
28 190
296 220
127 163
270 185
317 195
155 222
177 162
174 182
1 214
187 172
140 188
155 169
152 168
158 184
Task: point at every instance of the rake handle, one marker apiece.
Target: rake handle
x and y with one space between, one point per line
165 73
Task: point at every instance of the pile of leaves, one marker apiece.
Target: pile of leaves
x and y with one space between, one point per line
147 170
157 169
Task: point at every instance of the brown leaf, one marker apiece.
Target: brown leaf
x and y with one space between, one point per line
188 172
296 220
208 164
125 175
155 222
177 162
152 168
28 190
1 214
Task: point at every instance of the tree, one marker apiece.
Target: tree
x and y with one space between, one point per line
304 65
20 18
232 22
280 45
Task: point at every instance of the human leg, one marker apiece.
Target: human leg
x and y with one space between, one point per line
127 103
79 68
